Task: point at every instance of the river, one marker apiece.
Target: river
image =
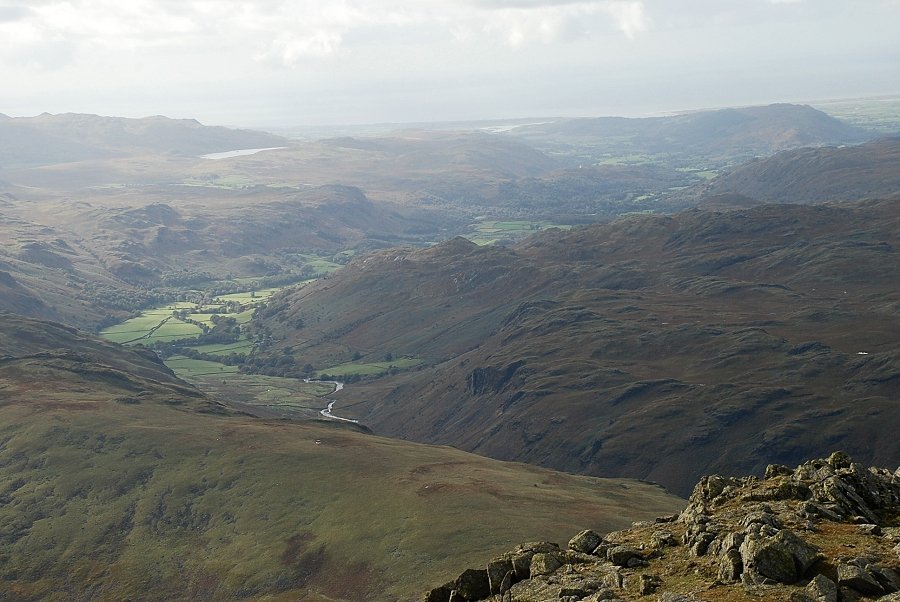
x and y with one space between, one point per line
327 412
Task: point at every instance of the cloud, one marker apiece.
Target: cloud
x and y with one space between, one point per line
629 17
288 33
9 14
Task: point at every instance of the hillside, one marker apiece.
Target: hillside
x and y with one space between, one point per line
654 347
811 175
717 136
47 139
118 481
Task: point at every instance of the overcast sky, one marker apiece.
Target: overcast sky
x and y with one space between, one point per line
282 63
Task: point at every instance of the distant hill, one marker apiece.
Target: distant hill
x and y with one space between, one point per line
441 152
77 262
722 135
48 139
654 347
119 481
810 175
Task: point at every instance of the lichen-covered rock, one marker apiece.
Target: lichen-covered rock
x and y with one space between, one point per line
822 589
585 542
731 566
545 563
805 555
764 559
782 558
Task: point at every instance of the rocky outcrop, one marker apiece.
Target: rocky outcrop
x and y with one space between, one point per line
827 531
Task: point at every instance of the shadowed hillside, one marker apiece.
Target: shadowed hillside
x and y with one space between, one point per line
654 347
811 175
119 481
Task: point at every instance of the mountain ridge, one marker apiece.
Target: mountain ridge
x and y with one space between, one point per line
812 175
714 328
720 135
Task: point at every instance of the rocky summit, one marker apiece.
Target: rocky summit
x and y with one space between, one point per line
827 531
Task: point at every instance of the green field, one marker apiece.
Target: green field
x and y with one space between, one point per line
187 368
242 346
371 369
485 232
151 327
249 297
158 325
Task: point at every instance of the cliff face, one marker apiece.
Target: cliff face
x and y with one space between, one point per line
827 531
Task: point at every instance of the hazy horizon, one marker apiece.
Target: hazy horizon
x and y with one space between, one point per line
276 64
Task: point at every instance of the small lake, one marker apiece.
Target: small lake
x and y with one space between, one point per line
239 153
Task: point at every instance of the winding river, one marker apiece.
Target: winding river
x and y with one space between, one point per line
327 412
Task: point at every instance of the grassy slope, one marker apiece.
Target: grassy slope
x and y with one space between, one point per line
644 341
116 485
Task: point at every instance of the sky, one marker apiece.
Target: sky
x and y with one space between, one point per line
273 63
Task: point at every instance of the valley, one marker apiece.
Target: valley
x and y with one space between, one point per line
340 369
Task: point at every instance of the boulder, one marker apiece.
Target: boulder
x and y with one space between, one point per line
730 566
621 555
522 564
440 594
585 542
764 559
854 577
545 563
805 555
783 558
473 584
822 589
497 571
661 539
647 584
888 578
